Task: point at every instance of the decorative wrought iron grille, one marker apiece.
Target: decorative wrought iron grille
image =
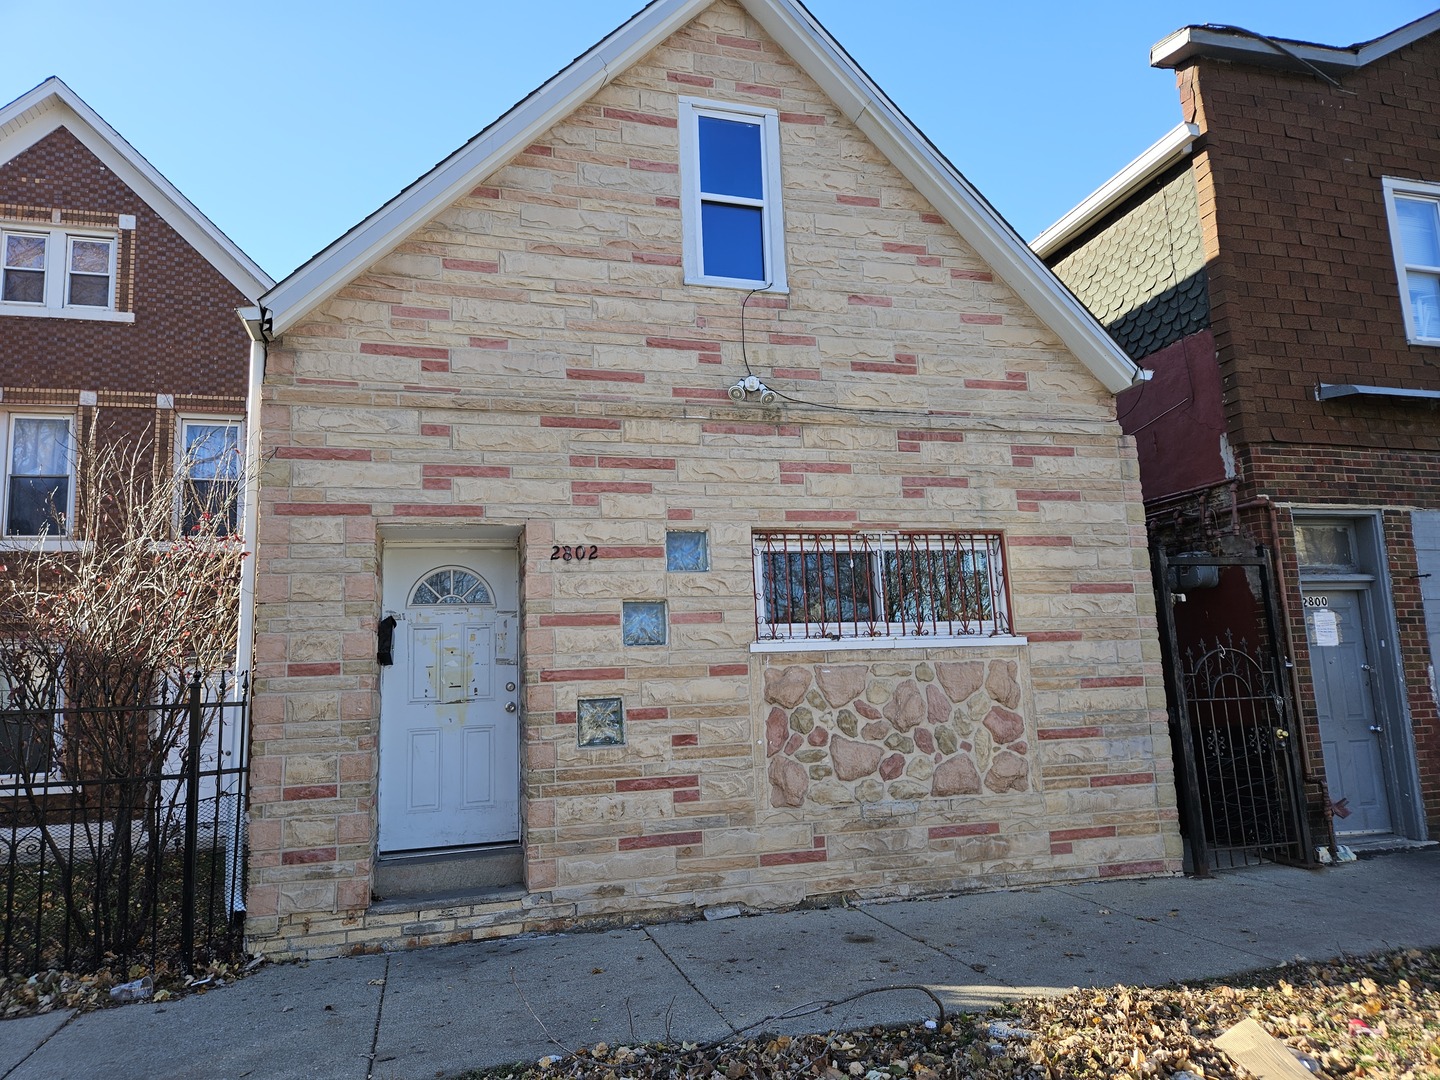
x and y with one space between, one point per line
817 586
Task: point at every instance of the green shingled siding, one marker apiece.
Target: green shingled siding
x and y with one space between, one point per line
1143 275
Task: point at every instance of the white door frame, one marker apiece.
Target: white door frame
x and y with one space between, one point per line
435 551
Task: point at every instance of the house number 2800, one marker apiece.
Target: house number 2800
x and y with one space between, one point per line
574 552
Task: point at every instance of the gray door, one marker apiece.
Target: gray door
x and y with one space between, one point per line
1350 731
1426 525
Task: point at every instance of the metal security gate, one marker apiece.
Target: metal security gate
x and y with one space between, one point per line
1233 724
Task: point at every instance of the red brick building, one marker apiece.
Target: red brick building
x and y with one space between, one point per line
117 313
1275 260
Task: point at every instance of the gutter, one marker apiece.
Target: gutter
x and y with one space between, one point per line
1173 146
257 326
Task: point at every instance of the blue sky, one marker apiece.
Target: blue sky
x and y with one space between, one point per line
288 124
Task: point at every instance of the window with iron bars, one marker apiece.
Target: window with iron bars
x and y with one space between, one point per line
819 586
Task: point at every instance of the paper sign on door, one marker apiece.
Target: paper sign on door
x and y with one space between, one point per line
1327 629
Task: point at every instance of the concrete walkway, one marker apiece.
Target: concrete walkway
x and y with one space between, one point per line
437 1012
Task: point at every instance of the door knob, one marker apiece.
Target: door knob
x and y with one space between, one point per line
1376 728
511 707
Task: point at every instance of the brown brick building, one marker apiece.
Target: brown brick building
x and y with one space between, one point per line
1275 260
117 313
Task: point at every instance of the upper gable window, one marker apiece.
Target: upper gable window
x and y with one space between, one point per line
58 274
730 179
1414 211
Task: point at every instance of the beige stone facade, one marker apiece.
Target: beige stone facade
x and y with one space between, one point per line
531 362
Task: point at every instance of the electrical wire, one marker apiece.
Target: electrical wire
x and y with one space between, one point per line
1280 49
866 410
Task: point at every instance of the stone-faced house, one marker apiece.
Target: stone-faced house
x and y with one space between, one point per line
691 492
1275 260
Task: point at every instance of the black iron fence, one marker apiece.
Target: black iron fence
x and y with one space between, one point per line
105 871
1233 725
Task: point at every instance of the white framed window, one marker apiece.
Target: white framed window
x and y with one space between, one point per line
57 273
1413 208
872 587
30 719
730 195
209 454
39 479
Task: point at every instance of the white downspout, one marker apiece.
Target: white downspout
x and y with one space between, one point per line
257 324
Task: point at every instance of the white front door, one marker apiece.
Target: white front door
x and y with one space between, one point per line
449 716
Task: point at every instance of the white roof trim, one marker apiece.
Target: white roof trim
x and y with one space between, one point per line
357 250
1171 147
1191 41
847 85
52 104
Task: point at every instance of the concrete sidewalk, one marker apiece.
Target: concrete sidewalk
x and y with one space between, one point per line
437 1012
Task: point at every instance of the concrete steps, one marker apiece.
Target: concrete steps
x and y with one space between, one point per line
448 873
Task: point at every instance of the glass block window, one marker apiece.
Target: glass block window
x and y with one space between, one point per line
643 622
451 585
600 722
687 552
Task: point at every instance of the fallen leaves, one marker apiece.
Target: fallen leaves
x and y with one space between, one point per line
1353 1017
50 990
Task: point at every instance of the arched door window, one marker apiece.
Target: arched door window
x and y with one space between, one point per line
450 585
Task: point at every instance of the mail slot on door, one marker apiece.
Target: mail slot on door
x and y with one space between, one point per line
385 645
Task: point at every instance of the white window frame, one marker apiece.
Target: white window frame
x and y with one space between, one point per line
1415 189
56 305
182 422
857 633
50 541
773 217
51 778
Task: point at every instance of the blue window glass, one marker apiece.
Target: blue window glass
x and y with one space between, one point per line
687 552
733 240
730 158
642 622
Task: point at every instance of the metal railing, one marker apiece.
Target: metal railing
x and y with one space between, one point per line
102 871
816 586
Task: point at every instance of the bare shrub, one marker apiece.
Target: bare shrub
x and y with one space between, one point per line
101 639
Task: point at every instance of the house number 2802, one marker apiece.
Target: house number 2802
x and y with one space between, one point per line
574 552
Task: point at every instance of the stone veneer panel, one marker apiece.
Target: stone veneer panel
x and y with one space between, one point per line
844 735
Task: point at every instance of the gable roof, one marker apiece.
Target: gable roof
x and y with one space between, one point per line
52 104
811 47
1173 146
1214 42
